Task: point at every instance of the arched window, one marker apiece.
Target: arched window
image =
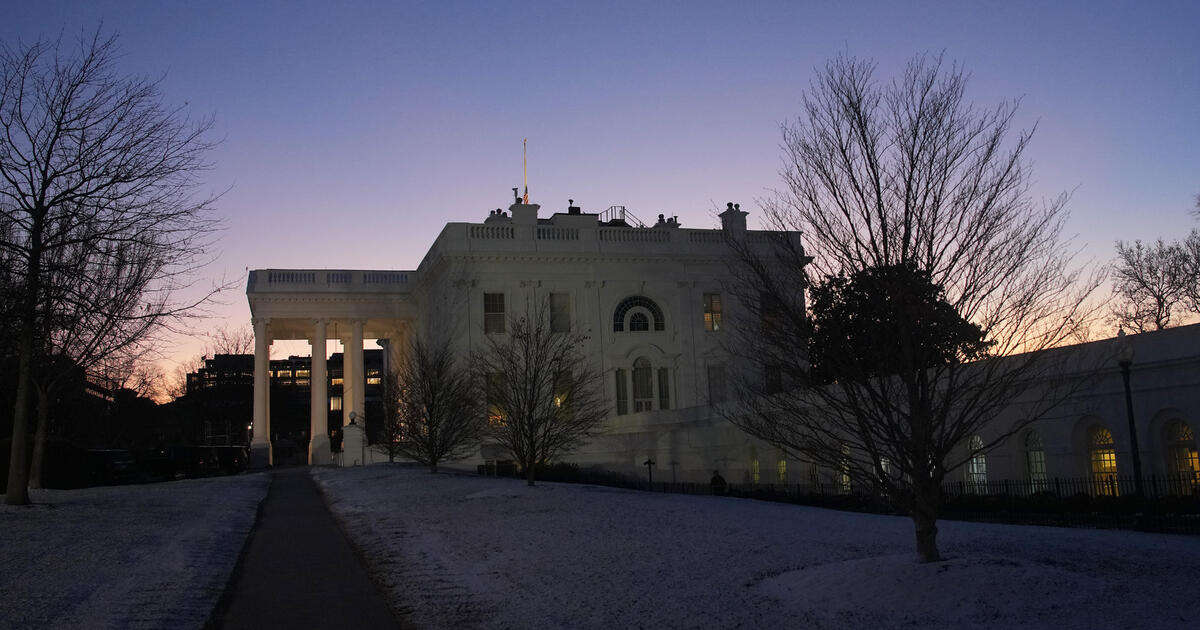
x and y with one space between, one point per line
976 466
643 385
638 322
641 301
1035 461
1183 461
1102 456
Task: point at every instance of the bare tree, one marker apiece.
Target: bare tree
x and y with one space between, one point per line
432 408
906 174
543 394
94 173
1150 284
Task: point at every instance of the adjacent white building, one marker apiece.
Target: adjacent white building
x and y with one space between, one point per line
653 305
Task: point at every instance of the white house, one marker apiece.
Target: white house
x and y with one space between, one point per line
652 303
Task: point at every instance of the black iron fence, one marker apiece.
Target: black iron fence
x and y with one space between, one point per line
1167 504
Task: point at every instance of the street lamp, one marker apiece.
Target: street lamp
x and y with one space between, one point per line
649 464
1125 360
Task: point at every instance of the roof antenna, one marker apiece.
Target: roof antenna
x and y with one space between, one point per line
525 168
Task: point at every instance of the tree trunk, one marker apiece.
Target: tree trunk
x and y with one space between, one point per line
432 468
18 468
39 438
529 475
924 516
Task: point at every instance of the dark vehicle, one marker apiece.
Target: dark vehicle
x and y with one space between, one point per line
110 467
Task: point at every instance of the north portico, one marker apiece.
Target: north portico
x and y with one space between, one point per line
317 305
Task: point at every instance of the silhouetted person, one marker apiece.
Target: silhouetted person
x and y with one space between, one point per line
718 483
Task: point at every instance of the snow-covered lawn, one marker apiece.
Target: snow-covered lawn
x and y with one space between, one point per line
466 551
147 556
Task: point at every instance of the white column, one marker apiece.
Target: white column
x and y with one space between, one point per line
260 445
318 441
347 379
360 372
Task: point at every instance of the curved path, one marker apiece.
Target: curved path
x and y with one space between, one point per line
298 570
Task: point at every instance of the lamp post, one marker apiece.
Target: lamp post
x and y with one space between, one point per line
649 464
1125 360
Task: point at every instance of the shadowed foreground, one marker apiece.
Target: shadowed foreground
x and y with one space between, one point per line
298 571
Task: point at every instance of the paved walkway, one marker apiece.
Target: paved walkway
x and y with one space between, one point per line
299 571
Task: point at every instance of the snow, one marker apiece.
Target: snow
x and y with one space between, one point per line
145 556
463 551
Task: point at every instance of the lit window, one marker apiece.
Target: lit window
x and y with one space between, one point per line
301 373
622 393
781 470
493 395
638 322
712 311
643 385
664 388
374 380
493 313
716 384
1102 454
1035 461
844 470
336 381
754 471
976 466
1183 461
335 403
560 312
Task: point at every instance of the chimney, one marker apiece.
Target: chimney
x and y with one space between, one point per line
524 213
572 208
733 219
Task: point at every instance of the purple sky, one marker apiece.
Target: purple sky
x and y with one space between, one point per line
353 134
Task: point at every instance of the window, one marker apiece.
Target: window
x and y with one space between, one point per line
493 394
335 403
770 311
664 388
1183 461
772 379
622 394
560 312
781 470
976 466
712 311
1102 455
754 477
1035 462
844 471
493 313
622 311
638 322
336 381
716 384
643 385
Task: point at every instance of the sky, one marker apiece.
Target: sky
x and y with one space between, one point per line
352 132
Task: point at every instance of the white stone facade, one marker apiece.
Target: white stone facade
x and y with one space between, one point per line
667 277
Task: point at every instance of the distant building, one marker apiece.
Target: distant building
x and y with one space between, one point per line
224 390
